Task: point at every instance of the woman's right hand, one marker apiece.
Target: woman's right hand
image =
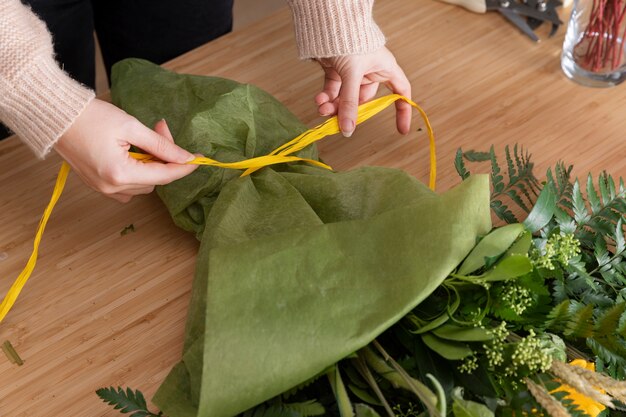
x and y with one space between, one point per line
96 146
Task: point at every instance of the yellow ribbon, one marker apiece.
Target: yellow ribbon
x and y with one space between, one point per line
280 155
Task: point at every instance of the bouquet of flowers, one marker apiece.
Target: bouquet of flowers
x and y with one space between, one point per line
365 294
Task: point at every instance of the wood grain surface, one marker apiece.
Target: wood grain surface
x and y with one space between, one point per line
104 309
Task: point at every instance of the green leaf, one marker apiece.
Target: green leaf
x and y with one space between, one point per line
363 410
448 349
126 401
502 211
495 243
462 334
273 411
306 408
607 323
363 395
512 266
592 196
496 178
521 245
581 324
543 210
620 243
604 189
475 156
433 324
341 395
460 165
581 214
465 408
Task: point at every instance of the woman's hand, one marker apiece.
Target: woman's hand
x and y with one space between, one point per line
353 79
97 145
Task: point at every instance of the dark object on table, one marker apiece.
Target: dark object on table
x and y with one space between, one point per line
526 15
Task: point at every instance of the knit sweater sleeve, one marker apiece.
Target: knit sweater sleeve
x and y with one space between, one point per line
326 28
38 100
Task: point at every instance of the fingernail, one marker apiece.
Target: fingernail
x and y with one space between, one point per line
190 158
347 128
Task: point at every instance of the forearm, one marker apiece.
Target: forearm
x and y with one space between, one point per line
327 28
38 101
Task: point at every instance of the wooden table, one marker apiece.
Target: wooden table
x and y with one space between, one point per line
104 309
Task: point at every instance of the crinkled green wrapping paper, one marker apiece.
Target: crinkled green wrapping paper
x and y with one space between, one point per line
298 266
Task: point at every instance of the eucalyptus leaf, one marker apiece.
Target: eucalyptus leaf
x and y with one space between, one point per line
543 210
298 267
494 244
364 410
449 349
512 266
462 333
465 408
521 245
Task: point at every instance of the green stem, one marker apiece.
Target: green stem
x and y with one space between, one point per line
420 390
367 375
341 395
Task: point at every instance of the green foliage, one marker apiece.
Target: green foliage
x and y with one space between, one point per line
501 316
306 408
128 401
521 187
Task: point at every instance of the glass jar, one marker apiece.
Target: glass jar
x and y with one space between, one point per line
593 51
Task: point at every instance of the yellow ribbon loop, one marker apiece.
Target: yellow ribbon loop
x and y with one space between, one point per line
280 155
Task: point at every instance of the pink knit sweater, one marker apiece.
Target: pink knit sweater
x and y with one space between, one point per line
39 101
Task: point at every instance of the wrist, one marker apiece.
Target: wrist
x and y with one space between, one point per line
42 104
327 28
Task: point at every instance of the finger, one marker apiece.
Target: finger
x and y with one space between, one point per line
158 145
349 102
155 173
399 84
332 85
368 91
163 129
329 109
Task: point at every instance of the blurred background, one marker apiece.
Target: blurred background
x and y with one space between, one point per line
245 12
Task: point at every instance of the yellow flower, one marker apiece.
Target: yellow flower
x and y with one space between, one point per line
591 407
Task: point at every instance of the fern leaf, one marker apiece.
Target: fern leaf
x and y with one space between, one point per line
580 324
618 237
601 252
474 156
306 408
275 410
496 178
128 401
611 185
605 353
564 221
520 185
502 211
509 163
608 323
459 165
604 189
517 199
299 387
581 214
592 196
559 315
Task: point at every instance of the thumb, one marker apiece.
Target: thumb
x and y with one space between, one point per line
160 146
